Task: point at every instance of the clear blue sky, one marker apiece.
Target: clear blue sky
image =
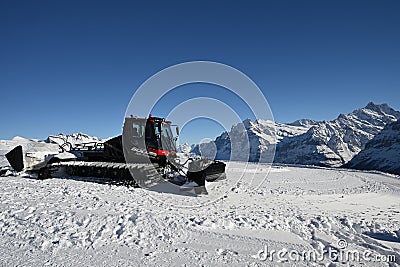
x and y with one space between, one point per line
68 66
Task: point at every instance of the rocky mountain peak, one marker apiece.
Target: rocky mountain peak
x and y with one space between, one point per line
379 109
324 143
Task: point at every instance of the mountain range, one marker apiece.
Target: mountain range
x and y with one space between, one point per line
380 153
349 140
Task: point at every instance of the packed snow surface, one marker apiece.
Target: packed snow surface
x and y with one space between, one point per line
75 222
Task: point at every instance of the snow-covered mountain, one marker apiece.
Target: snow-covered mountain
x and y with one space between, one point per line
382 152
334 143
259 137
327 143
304 122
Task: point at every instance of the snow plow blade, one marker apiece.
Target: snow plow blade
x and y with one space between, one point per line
16 159
206 170
215 171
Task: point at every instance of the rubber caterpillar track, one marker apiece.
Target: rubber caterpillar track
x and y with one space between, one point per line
132 174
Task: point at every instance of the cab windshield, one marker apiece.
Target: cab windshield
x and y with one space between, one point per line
163 136
167 138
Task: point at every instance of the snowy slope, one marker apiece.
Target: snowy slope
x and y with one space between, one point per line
70 222
382 152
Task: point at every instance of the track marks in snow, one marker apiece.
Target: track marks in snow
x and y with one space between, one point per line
305 207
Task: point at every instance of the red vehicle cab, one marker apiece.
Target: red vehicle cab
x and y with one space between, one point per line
156 133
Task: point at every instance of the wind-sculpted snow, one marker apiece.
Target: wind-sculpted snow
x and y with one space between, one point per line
71 222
